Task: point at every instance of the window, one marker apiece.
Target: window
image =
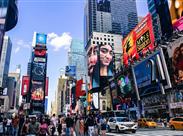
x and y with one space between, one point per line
103 105
112 39
108 39
97 38
93 42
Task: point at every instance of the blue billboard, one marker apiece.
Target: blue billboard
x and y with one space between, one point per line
41 39
70 71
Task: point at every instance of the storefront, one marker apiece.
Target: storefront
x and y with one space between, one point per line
176 108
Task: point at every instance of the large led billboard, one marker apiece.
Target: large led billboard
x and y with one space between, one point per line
140 40
150 74
175 52
25 85
38 71
41 39
37 92
70 71
176 9
106 60
93 66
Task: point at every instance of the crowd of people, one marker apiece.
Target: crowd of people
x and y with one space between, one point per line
63 125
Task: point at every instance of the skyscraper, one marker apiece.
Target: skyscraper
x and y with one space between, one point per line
89 19
5 61
124 16
160 13
76 57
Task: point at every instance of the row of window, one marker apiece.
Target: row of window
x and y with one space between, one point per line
105 39
97 42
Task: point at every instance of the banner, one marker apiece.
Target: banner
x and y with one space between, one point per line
139 41
73 97
40 53
79 91
46 86
37 92
70 71
25 85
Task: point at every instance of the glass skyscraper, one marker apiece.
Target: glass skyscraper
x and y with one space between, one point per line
124 16
77 57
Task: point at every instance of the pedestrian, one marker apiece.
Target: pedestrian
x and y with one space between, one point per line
15 123
9 126
63 126
81 126
33 127
59 128
1 126
77 125
24 130
54 121
69 125
103 126
43 128
90 122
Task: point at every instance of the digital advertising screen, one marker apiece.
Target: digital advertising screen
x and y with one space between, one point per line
106 60
93 66
178 25
149 73
41 39
176 9
175 52
25 85
37 91
70 71
140 40
46 86
40 53
38 71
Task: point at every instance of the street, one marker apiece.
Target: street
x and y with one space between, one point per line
149 132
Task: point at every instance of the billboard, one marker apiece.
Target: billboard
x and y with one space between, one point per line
175 52
150 74
46 86
176 9
93 66
40 52
178 25
38 71
41 39
70 71
25 85
140 40
79 91
37 92
106 60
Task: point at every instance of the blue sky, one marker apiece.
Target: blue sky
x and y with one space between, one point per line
62 20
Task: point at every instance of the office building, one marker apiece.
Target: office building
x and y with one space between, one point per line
124 16
5 62
104 6
17 76
76 57
161 19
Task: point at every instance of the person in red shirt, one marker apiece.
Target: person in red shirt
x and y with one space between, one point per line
43 128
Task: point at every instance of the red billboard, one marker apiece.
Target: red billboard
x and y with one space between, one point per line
37 92
40 53
178 25
25 85
79 91
46 86
140 40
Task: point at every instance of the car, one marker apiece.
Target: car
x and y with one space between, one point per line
121 124
176 123
145 122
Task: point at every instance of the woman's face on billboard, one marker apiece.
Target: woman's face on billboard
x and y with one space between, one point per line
105 55
92 58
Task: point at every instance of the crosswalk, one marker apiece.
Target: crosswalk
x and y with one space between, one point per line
150 133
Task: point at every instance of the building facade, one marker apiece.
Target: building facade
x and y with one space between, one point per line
124 16
76 57
5 62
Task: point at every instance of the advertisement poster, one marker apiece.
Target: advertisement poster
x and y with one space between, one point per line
106 60
79 91
40 53
25 85
139 41
178 25
175 52
70 71
37 92
41 39
176 9
93 66
46 86
38 71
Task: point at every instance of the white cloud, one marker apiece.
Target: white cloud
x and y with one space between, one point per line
17 49
23 44
58 42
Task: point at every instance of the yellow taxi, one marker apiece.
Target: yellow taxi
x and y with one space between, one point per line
176 123
145 122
